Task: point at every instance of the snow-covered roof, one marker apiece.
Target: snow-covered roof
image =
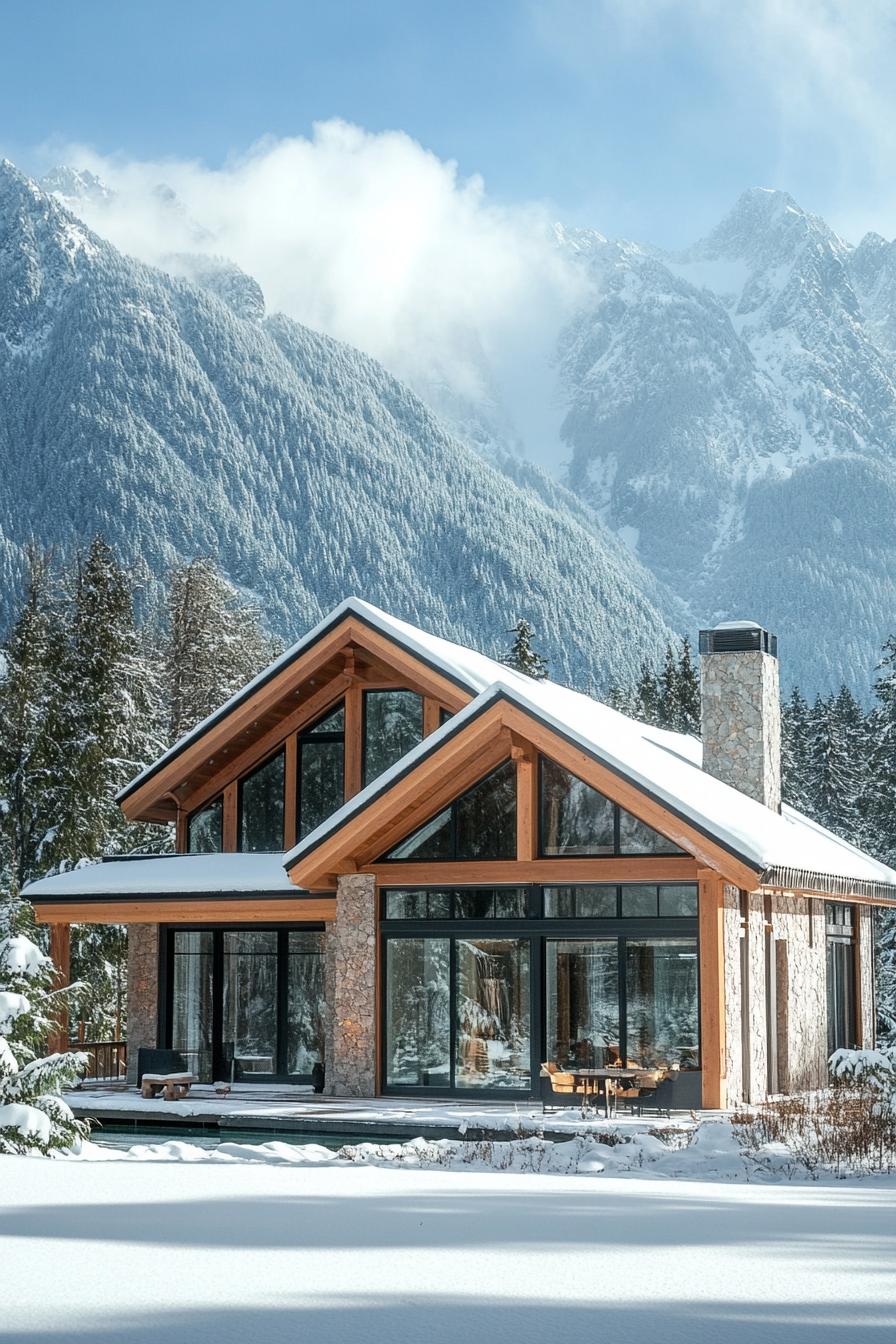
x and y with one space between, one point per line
786 849
175 875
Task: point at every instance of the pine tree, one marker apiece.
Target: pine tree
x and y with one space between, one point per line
647 695
688 691
33 1115
667 701
31 761
216 642
522 657
796 753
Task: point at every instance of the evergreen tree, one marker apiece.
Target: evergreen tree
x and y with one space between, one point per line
216 642
796 753
522 657
688 691
33 1115
32 767
647 695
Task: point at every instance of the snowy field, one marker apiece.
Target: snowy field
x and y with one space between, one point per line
286 1244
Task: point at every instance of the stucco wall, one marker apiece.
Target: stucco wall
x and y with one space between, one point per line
351 967
143 991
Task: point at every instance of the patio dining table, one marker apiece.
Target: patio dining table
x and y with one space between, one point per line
591 1080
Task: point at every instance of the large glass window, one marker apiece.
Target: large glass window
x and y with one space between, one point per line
321 766
249 1022
247 1002
481 824
582 980
662 1006
205 828
841 976
305 1002
191 1000
418 1013
261 807
393 724
492 1013
576 819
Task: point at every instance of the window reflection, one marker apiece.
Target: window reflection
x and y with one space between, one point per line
205 829
321 766
583 1002
249 1027
418 1026
492 1022
481 824
191 1001
305 1002
261 808
662 1003
393 724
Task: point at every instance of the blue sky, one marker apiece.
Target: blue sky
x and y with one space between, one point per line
644 118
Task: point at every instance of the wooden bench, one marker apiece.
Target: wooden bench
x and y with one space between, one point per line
173 1086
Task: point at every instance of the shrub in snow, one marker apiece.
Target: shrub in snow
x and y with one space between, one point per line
33 1115
875 1069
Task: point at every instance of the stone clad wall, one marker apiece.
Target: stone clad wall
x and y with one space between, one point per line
867 1024
733 996
143 991
798 924
741 723
351 973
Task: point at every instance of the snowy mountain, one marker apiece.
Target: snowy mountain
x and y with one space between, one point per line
172 415
731 413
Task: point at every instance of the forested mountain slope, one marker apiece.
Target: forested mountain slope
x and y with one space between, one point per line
177 419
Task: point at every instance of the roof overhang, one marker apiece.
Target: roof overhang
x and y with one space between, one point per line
465 749
151 797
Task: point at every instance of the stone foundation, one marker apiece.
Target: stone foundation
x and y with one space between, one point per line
143 991
350 979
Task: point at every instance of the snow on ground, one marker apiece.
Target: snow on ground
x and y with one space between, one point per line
324 1251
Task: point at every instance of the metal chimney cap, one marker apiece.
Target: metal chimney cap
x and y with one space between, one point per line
738 637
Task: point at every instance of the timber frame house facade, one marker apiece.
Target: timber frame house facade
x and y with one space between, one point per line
403 868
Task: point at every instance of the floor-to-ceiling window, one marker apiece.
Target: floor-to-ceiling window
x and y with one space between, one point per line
841 975
482 985
245 1004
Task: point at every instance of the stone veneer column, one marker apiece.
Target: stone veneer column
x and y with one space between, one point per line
350 973
143 991
741 722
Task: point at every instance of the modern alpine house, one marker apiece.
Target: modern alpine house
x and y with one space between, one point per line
431 875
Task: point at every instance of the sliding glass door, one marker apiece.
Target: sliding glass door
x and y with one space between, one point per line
246 1004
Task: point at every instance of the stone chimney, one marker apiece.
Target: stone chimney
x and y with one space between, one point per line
741 709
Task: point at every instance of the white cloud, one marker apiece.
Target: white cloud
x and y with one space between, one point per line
376 241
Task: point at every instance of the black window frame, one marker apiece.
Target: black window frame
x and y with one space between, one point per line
167 954
385 690
217 800
241 782
538 929
617 852
452 809
312 735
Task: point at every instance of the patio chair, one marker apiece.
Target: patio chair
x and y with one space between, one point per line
562 1084
634 1092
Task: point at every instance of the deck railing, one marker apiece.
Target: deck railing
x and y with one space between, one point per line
107 1060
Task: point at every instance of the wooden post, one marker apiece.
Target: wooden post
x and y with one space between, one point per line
229 837
712 988
431 715
526 803
291 777
354 727
181 833
60 951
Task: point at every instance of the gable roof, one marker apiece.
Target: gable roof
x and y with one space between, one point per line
785 850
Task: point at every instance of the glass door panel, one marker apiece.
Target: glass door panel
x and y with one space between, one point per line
662 1006
582 981
191 1001
492 1013
249 1017
418 1018
305 1003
